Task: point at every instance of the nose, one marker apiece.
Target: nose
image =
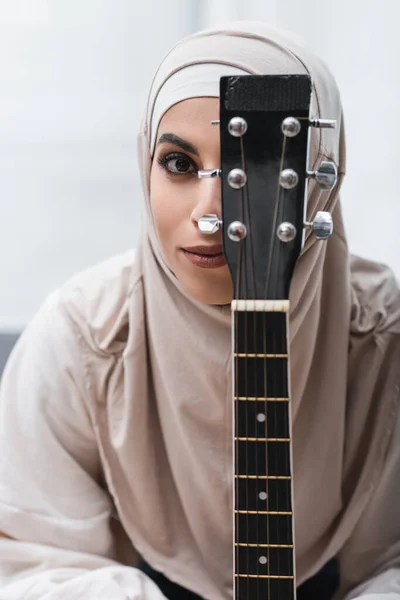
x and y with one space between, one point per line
209 199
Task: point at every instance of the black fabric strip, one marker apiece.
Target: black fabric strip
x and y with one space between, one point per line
320 587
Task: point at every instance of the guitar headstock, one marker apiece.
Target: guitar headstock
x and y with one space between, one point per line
265 126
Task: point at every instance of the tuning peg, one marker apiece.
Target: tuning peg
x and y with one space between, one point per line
237 126
237 179
237 231
323 123
326 176
322 225
215 122
208 173
209 224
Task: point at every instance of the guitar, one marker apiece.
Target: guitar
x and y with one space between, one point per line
265 130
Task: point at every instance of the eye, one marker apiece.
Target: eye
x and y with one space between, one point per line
176 163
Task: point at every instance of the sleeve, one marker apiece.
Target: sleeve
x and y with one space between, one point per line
370 560
55 517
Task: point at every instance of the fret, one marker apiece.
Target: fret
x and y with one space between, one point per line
260 439
246 355
262 476
252 399
262 512
264 576
265 545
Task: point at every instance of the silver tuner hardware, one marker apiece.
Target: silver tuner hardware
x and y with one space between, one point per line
237 126
237 178
290 127
215 122
209 224
288 179
326 176
323 123
322 225
237 231
286 232
208 173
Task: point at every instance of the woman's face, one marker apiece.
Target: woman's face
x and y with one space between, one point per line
187 142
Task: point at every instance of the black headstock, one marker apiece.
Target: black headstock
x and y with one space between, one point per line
261 263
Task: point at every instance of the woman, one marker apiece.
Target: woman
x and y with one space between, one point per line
116 402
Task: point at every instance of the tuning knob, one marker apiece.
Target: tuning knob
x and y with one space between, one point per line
322 225
326 176
323 123
209 224
208 173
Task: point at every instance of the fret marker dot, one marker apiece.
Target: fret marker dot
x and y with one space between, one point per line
261 417
262 495
262 560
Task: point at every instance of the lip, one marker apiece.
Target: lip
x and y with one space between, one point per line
206 257
205 250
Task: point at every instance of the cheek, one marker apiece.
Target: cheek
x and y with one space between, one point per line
171 206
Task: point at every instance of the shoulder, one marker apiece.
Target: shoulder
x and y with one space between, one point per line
96 301
375 298
89 310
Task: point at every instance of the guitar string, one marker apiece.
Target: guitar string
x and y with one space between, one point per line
287 505
236 422
284 496
277 344
274 221
247 316
242 269
271 292
265 402
246 393
288 466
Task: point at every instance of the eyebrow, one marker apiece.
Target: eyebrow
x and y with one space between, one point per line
177 141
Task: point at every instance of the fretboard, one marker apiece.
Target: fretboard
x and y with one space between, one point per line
263 517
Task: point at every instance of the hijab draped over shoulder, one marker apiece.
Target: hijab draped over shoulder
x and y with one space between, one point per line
174 400
343 376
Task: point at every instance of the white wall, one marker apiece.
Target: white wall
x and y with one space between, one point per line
73 78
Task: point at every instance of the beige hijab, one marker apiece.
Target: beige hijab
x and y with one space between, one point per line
165 428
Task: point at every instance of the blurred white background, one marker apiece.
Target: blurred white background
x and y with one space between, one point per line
73 80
